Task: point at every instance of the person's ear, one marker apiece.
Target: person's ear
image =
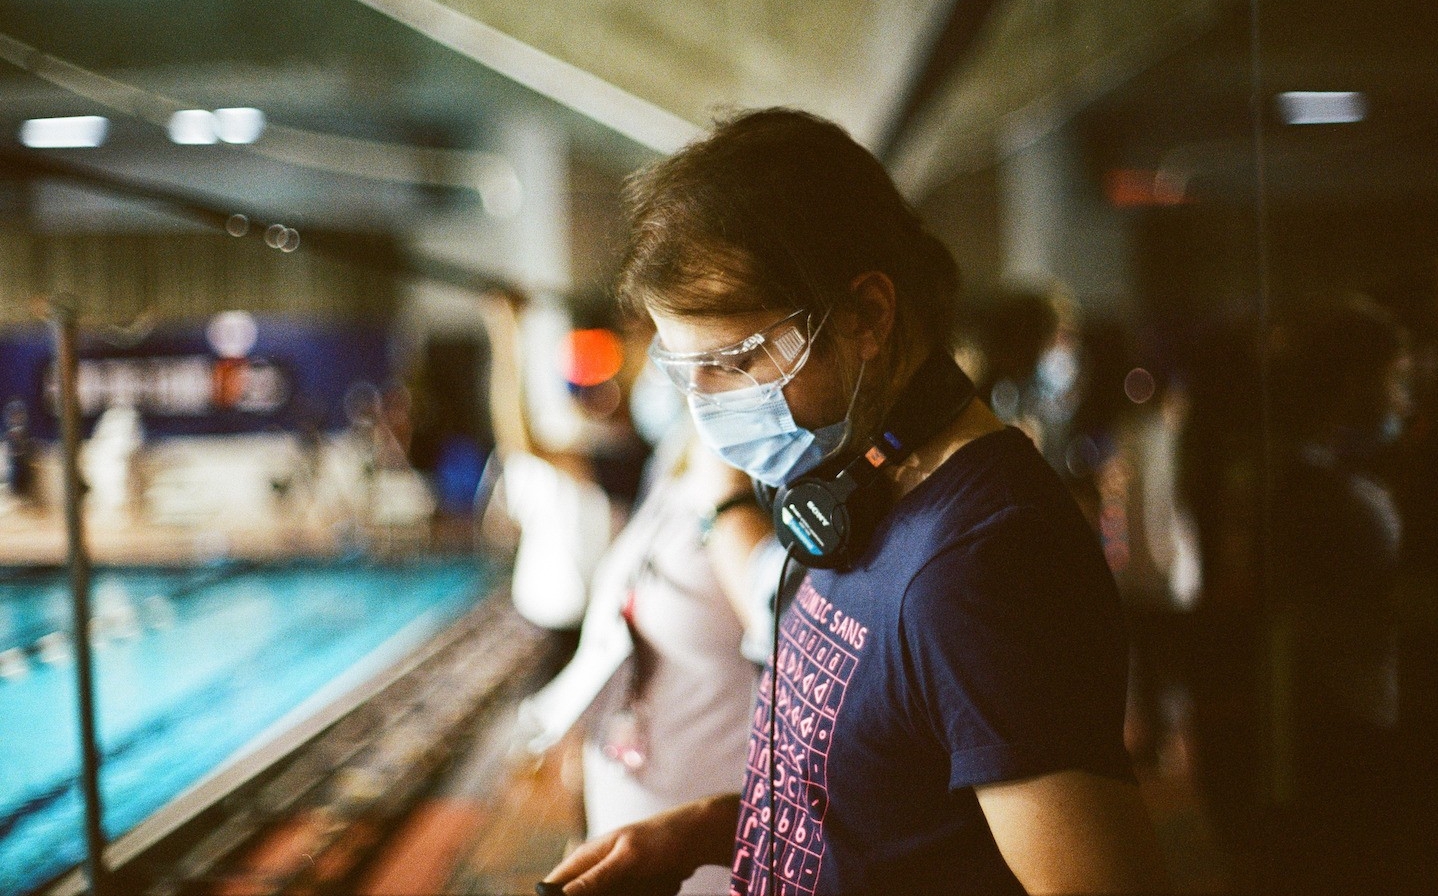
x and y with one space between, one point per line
875 302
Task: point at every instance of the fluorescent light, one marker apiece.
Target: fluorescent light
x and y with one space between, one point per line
193 127
1322 106
239 125
80 131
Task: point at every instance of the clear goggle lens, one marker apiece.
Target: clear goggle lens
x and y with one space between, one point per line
769 358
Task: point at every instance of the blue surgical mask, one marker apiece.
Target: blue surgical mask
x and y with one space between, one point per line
753 430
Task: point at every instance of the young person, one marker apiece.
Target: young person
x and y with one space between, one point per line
660 684
950 697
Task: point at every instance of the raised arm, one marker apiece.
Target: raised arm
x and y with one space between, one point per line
1074 832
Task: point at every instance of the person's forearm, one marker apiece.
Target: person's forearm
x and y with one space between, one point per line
656 854
715 834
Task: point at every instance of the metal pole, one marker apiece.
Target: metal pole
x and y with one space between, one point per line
64 330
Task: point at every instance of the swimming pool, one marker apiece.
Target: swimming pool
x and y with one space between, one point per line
191 666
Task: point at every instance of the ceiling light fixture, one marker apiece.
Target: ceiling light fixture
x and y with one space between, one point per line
241 124
193 127
75 132
1323 106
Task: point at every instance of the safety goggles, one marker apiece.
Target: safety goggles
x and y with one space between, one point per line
770 358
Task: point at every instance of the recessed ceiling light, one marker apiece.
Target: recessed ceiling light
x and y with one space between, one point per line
75 132
239 125
193 127
1323 106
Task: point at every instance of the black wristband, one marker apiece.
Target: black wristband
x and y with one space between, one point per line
731 502
706 525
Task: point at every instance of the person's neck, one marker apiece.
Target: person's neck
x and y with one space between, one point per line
976 421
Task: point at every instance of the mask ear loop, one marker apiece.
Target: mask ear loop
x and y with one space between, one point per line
843 442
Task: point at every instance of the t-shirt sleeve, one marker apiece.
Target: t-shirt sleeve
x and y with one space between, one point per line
1014 653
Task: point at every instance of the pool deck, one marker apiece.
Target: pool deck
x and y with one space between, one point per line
28 538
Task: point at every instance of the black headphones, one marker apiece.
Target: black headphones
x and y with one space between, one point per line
824 519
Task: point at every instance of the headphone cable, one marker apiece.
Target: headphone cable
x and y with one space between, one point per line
773 719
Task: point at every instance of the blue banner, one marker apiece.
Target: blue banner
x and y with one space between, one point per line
278 373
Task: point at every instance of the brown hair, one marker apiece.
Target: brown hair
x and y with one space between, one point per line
780 210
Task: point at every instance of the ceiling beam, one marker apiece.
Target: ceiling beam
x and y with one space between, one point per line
658 71
1034 66
591 96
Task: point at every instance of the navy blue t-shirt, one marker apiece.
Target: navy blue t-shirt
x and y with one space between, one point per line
978 639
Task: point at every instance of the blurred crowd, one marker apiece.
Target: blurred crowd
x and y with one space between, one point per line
1262 488
1262 491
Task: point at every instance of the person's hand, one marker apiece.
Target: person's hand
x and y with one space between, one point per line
655 856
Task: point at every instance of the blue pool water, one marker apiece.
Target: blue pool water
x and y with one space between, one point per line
190 666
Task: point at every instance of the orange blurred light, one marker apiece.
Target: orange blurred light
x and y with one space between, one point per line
592 357
1133 188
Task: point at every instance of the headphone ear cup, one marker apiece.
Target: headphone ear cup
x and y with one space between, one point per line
811 520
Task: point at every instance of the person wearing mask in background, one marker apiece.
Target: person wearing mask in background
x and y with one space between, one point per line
659 684
1342 378
659 688
946 709
1006 332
